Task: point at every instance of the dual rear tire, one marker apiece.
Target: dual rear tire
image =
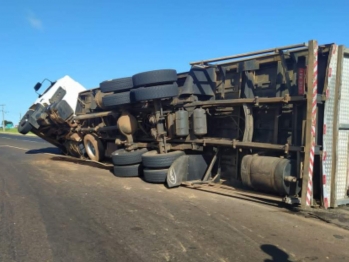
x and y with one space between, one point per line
156 165
128 164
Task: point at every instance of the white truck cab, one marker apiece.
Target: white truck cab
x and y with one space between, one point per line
66 88
55 105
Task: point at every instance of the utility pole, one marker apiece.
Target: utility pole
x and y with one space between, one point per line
3 117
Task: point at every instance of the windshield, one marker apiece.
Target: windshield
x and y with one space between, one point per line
48 88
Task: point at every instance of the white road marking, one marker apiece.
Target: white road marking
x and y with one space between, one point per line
62 156
30 141
14 147
26 149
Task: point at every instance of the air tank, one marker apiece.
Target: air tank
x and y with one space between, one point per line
270 174
182 123
200 122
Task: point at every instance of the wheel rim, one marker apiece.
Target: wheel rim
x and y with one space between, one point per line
91 149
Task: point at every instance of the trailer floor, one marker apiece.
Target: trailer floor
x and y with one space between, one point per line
57 210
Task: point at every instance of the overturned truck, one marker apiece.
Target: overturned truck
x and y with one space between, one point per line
274 121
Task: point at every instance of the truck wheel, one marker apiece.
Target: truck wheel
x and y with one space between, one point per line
75 149
117 99
155 77
24 126
155 92
116 85
94 147
155 160
127 171
122 157
155 175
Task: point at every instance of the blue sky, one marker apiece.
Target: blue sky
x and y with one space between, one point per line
97 40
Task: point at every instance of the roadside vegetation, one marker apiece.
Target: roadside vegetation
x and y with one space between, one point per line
12 131
9 130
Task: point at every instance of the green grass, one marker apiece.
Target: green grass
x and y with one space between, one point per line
10 130
14 131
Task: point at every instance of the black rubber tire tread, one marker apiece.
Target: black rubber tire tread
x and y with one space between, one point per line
127 171
117 99
155 77
154 160
24 126
155 92
116 85
155 175
122 157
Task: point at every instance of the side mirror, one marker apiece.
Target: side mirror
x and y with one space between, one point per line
37 86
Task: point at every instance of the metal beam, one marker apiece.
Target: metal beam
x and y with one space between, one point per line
241 101
270 57
240 144
96 115
276 50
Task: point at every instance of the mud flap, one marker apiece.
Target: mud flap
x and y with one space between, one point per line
177 171
187 168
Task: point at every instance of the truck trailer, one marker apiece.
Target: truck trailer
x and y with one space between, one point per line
274 121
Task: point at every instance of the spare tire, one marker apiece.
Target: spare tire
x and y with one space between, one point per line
116 85
155 160
24 126
155 92
117 99
155 175
155 77
122 157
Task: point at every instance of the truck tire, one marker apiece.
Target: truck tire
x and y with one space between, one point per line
122 157
155 160
94 147
127 171
155 175
24 126
116 85
155 77
155 92
117 99
75 149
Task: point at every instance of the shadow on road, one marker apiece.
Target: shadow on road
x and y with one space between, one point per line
58 156
47 150
83 162
277 255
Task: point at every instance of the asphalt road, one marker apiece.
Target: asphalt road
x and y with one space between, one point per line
56 210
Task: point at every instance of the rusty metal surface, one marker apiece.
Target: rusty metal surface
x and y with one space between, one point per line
98 98
269 174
